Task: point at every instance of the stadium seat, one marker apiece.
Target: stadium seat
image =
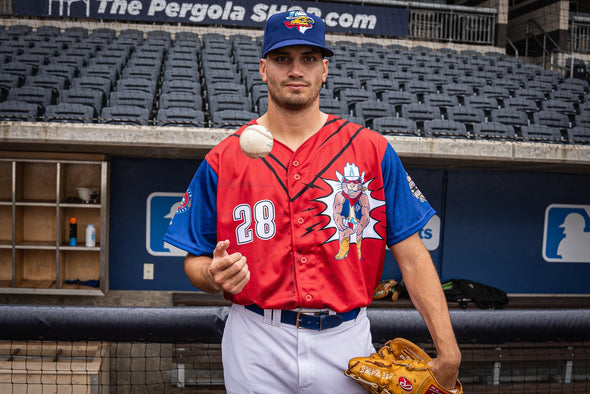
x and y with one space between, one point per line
351 96
420 113
182 69
544 87
467 115
69 113
444 128
498 92
510 117
52 82
459 90
7 82
487 104
218 88
79 95
141 72
131 98
369 110
354 119
532 94
398 99
392 125
125 114
60 70
33 95
494 130
579 135
336 84
220 75
97 83
420 88
540 133
583 119
180 116
139 84
18 111
231 119
563 107
234 102
175 85
379 86
261 105
334 106
180 100
552 118
565 95
443 101
100 71
522 104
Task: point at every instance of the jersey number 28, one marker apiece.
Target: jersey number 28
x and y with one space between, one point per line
263 217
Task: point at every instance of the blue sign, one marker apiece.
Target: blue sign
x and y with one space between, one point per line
161 208
338 17
567 234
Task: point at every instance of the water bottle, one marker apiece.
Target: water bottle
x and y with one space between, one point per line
90 236
73 231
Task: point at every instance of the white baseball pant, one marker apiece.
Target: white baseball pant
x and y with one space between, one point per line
262 355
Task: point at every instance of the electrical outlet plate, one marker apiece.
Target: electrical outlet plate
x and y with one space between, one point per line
148 271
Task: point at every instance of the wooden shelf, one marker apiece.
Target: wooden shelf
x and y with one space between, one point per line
38 196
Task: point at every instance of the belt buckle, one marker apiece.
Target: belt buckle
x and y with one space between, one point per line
315 314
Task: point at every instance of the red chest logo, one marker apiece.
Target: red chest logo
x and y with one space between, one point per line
405 384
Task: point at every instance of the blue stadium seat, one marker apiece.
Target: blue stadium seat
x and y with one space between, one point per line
379 86
510 117
334 106
79 95
420 113
52 82
61 70
18 111
536 95
486 104
541 133
180 100
336 84
131 98
399 98
583 120
218 88
444 128
141 72
369 110
139 84
579 135
69 113
231 119
351 96
229 102
494 130
176 85
498 92
261 91
443 101
392 125
354 119
564 107
97 83
522 104
33 95
459 90
552 118
125 114
261 105
101 71
467 115
182 69
180 116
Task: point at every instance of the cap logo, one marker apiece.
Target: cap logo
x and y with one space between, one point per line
299 20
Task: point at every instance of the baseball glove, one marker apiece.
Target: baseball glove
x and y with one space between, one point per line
399 367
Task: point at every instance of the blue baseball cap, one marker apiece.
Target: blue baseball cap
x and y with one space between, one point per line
294 28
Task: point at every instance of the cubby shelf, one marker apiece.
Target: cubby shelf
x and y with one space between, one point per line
38 196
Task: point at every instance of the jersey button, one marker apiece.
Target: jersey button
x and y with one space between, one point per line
297 177
300 220
303 260
308 297
295 163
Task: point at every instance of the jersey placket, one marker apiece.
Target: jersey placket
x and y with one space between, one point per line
304 263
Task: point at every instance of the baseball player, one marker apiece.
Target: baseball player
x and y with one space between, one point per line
281 236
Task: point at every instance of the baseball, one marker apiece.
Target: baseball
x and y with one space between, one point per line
256 141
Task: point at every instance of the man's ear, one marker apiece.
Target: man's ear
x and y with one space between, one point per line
325 74
262 69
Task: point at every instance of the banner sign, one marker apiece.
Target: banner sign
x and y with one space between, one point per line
339 17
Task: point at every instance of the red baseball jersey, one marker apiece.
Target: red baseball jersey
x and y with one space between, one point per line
314 224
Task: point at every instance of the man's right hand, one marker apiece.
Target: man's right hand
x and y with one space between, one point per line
227 272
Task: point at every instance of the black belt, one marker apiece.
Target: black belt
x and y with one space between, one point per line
312 321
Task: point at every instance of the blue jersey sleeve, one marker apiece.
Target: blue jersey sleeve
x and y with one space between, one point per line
194 226
406 208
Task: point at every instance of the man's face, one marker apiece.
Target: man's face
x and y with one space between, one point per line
294 76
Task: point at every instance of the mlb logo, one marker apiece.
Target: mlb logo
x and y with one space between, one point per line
161 208
566 236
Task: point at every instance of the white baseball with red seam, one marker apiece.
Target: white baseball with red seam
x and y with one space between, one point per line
256 141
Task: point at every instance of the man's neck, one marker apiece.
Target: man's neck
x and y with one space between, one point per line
293 128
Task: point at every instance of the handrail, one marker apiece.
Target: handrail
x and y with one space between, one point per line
513 47
543 45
